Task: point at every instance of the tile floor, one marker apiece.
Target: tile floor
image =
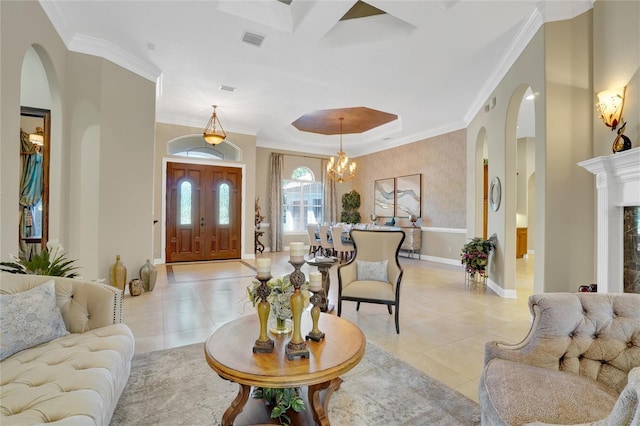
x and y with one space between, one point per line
443 324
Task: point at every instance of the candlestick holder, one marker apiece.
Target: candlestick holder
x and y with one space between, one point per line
297 347
316 300
264 344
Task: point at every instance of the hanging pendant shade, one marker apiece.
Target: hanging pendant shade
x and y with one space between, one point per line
213 133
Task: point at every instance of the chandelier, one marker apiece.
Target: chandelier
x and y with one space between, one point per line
211 134
341 170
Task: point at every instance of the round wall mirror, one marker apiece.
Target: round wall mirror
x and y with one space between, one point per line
495 193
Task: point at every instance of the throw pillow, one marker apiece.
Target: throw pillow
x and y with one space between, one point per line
372 271
29 319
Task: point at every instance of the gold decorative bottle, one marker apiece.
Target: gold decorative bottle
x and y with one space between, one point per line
119 274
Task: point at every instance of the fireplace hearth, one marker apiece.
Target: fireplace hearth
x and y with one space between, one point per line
618 233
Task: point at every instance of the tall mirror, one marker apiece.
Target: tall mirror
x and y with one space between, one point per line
33 203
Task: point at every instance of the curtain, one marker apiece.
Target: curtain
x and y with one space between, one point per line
30 192
330 199
275 202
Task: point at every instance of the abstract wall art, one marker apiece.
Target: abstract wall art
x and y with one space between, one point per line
384 193
407 199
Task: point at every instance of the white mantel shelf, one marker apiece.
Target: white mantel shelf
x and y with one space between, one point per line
617 186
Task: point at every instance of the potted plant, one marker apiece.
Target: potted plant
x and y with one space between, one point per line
50 261
350 206
475 255
281 400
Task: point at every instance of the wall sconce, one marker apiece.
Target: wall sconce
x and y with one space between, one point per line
610 104
37 138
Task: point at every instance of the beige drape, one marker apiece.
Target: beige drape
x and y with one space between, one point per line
330 199
275 203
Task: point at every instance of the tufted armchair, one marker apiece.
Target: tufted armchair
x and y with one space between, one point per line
579 364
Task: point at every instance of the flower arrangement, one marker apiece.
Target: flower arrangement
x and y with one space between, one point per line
50 261
475 255
280 296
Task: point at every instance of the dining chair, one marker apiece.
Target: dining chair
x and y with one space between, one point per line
327 246
342 248
374 274
314 242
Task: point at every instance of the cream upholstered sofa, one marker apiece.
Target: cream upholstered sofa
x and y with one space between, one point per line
579 364
76 378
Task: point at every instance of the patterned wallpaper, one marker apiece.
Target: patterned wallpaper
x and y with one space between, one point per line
442 162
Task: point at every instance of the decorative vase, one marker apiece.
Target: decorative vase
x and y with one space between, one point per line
135 287
119 274
280 326
148 275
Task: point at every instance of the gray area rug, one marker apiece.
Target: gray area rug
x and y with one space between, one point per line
177 387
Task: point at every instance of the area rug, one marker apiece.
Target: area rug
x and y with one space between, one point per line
177 387
222 269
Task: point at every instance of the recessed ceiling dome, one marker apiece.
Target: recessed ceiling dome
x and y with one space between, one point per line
356 120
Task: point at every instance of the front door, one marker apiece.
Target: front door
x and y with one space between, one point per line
203 212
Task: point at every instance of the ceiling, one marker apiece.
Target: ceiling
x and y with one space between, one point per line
433 64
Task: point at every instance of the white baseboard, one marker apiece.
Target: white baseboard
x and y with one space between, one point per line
505 293
445 260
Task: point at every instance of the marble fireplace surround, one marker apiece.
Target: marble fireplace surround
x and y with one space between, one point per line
617 186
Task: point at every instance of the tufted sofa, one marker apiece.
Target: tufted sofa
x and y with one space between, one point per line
579 364
74 379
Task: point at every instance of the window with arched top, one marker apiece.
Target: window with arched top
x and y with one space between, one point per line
184 196
224 197
302 202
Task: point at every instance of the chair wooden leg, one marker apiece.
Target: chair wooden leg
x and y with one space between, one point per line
358 306
389 308
339 306
397 320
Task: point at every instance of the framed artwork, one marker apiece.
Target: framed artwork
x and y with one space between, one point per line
383 194
408 192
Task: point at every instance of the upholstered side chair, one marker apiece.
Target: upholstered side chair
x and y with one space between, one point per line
314 242
341 248
579 364
374 274
327 245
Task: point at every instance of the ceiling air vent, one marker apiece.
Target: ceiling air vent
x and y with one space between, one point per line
226 88
252 38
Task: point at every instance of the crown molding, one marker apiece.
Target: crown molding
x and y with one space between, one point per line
97 47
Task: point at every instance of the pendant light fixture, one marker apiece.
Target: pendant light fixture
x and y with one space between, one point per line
341 170
211 134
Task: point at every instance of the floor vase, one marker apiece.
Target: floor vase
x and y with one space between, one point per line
118 274
148 275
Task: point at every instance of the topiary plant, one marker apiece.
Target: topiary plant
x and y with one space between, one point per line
350 205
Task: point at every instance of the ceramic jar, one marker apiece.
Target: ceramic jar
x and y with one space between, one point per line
148 275
135 287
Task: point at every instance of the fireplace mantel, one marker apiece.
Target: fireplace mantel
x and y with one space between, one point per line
617 186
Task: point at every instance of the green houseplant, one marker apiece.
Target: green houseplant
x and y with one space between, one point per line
350 206
50 261
475 255
281 400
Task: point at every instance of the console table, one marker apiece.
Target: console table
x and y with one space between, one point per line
229 352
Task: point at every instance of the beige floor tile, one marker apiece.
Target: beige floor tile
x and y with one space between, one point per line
443 324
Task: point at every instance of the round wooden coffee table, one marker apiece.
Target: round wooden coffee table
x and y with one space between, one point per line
229 352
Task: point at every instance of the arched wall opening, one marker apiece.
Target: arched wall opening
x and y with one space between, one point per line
481 154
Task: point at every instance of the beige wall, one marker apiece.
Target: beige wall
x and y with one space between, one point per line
102 147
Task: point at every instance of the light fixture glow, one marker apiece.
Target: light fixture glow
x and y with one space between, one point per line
37 138
211 134
340 169
610 103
